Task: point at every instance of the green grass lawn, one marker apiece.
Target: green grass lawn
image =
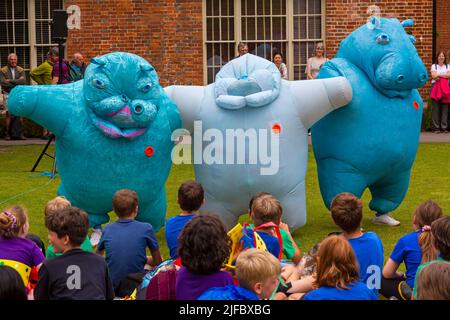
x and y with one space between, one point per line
430 180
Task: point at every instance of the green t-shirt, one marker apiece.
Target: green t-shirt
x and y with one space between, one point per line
420 269
85 246
288 246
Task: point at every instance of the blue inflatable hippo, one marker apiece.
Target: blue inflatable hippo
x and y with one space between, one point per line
250 134
113 131
372 142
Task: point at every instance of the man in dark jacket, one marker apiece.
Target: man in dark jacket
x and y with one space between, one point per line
12 75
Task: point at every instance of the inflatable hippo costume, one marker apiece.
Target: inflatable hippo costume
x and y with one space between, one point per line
250 99
113 131
372 142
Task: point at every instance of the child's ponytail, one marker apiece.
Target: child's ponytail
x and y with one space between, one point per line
425 214
11 221
426 243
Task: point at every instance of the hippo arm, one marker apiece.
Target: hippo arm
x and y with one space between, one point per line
188 100
317 98
49 106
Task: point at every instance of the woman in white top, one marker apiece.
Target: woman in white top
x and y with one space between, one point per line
315 63
439 113
278 60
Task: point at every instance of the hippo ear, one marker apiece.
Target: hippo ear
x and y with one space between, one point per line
407 23
373 23
99 60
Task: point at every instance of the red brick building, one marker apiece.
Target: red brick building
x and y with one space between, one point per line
188 41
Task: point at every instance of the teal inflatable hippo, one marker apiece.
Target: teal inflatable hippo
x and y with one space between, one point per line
372 142
113 131
250 134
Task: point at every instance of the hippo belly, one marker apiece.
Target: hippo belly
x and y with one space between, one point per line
229 186
375 148
91 184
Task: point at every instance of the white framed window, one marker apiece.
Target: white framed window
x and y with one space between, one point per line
25 30
291 27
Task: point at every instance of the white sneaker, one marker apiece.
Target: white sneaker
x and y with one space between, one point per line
387 220
95 236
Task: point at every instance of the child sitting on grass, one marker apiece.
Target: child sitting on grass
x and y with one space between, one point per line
265 210
204 247
290 248
433 281
337 273
190 199
13 243
440 229
412 249
346 211
125 240
257 272
76 274
52 206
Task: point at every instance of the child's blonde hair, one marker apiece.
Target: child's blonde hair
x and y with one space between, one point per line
56 204
12 219
266 208
255 265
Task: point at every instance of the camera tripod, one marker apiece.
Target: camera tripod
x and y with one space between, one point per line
44 152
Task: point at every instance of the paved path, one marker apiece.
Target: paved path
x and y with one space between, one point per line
425 137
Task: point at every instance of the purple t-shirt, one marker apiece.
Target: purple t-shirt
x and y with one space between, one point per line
190 286
21 250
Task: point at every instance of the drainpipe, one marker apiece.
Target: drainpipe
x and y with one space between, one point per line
434 30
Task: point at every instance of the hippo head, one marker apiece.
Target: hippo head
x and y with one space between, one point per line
386 53
247 81
122 92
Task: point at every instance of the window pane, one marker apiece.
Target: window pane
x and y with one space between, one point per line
276 7
20 9
21 32
302 27
260 28
216 29
216 6
209 26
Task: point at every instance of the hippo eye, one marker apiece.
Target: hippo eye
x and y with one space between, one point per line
383 39
146 88
98 83
412 38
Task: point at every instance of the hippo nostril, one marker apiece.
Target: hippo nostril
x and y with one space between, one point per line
138 109
400 79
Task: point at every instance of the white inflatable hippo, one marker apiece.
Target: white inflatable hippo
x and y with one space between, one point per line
250 134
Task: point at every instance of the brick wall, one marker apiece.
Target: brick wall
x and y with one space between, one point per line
343 16
169 33
166 33
443 26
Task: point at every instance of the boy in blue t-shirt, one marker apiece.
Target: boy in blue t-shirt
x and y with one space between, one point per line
266 209
190 199
126 240
346 210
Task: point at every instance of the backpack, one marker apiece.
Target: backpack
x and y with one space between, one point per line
74 75
159 283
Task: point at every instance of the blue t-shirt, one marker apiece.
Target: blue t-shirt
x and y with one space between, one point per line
369 252
174 226
230 292
408 250
125 242
355 291
271 242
